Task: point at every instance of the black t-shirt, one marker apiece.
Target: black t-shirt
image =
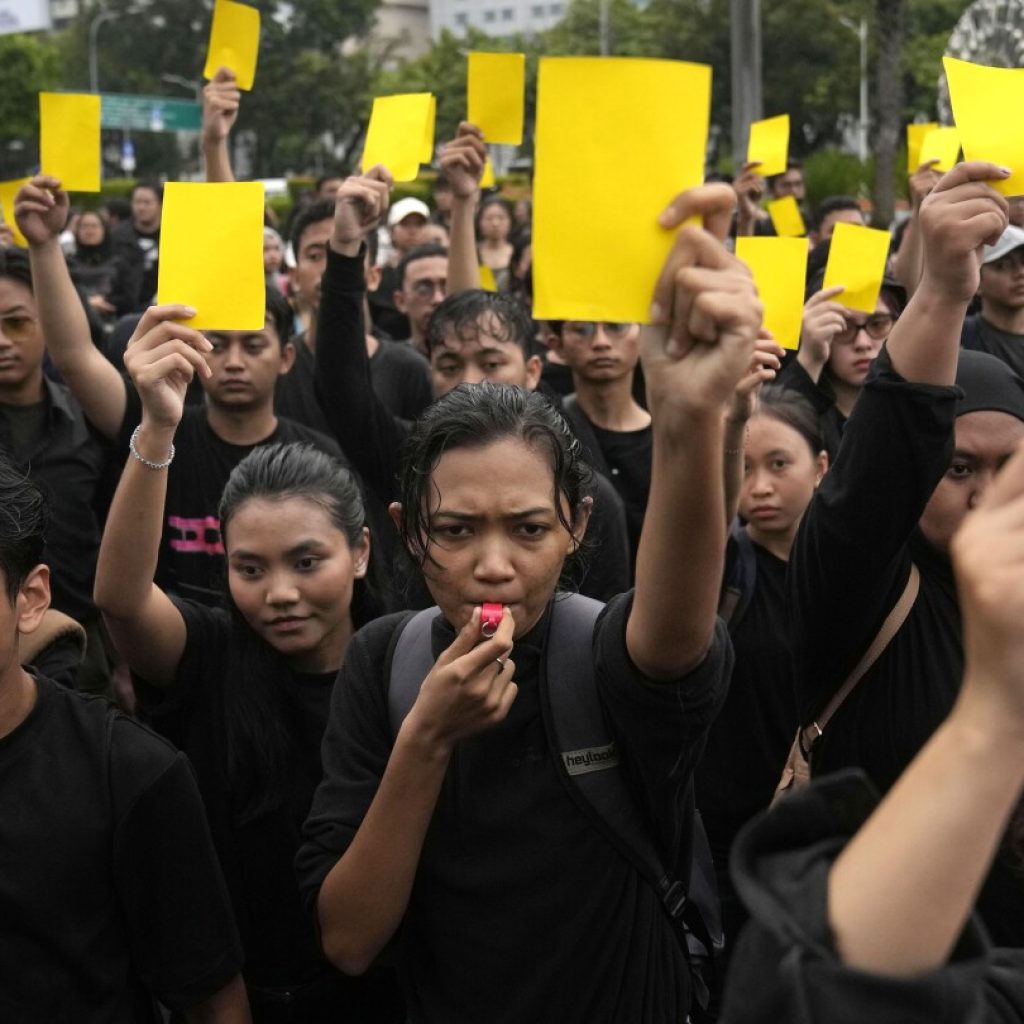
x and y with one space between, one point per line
786 968
750 738
139 253
191 552
386 317
281 948
628 455
110 890
980 336
511 866
849 565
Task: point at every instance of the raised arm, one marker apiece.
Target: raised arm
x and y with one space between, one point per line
143 622
41 210
894 911
221 97
462 163
960 215
749 189
361 423
822 320
705 321
907 264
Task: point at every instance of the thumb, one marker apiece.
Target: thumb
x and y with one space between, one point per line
465 640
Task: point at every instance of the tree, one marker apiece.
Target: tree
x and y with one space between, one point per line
28 64
889 124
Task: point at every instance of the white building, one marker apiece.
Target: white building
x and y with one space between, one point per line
495 17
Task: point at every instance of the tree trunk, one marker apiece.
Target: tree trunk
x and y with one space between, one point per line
890 18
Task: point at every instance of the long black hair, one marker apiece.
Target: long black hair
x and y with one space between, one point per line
477 415
791 408
260 707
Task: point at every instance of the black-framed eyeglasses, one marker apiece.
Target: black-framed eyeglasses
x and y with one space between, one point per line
877 327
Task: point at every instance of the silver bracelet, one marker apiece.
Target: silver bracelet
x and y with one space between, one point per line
146 462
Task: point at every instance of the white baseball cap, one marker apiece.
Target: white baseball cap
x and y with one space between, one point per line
1012 238
405 208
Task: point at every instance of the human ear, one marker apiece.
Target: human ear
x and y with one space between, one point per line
580 523
361 556
33 599
287 358
400 304
821 464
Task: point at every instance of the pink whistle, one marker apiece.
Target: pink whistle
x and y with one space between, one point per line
490 618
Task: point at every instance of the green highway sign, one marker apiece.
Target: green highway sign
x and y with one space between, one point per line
149 113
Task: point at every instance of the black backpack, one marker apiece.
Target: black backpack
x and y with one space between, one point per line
589 765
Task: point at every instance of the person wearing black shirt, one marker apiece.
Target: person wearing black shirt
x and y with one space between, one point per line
245 691
99 275
137 244
237 415
459 829
470 340
44 432
110 892
921 447
998 328
407 220
869 908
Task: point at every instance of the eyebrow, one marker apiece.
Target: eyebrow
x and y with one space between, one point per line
302 548
469 517
14 309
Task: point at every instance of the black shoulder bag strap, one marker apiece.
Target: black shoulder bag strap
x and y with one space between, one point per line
590 763
411 662
741 578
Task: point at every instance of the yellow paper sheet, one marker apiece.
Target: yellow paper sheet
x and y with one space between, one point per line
495 88
488 180
69 139
616 140
987 105
211 253
915 137
8 190
779 266
942 144
856 260
234 42
487 282
786 218
399 125
769 145
427 155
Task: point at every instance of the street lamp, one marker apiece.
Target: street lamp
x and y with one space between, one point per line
94 29
193 86
861 31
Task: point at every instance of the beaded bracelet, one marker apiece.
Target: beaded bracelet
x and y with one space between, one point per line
146 462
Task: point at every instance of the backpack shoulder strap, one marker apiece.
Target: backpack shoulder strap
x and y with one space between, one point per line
741 577
411 662
588 756
890 627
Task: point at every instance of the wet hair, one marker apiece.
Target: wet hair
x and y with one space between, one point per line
152 186
466 314
790 408
312 213
475 416
833 204
281 314
261 708
14 264
23 518
419 252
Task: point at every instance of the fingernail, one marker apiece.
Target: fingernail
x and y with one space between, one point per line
189 311
1005 171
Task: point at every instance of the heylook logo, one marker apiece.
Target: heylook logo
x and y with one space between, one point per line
590 759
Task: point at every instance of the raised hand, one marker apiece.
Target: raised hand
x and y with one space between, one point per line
469 689
922 181
221 99
823 318
161 359
765 363
41 210
705 316
360 207
463 159
749 189
959 216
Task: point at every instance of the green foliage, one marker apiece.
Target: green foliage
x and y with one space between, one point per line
28 65
829 172
929 25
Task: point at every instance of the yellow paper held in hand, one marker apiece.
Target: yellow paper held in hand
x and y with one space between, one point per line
617 139
941 144
427 155
495 88
779 266
786 217
915 138
401 131
234 41
69 139
211 253
987 105
769 145
8 190
856 260
487 179
487 281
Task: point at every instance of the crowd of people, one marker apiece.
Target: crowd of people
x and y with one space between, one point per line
409 659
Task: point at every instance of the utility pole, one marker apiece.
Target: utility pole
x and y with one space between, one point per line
747 105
